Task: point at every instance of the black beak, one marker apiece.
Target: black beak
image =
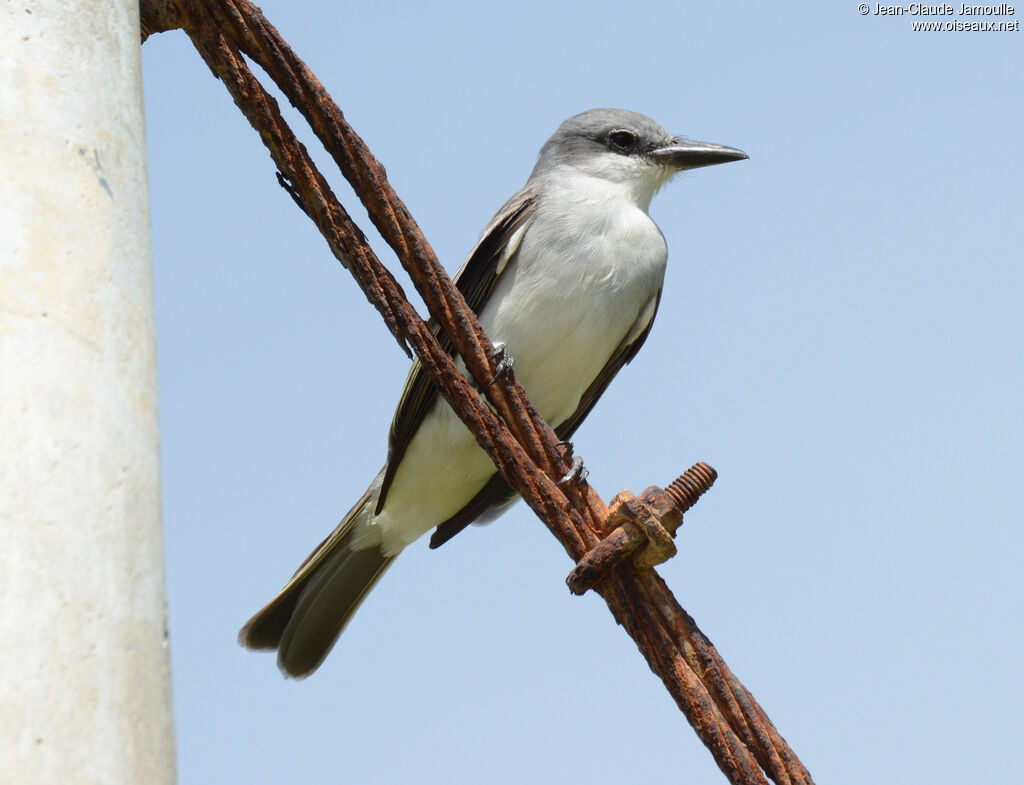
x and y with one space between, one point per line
684 154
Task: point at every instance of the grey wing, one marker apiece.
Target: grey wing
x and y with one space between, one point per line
497 494
475 279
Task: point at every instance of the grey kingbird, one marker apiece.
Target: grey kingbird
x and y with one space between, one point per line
567 276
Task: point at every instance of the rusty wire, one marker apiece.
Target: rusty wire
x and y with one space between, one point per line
745 744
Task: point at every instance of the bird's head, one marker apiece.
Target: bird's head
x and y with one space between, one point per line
627 148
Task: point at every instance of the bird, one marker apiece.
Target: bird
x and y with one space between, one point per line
566 278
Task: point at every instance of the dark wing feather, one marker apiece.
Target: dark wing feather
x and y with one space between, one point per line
497 493
475 280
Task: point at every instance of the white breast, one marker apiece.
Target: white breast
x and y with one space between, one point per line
589 264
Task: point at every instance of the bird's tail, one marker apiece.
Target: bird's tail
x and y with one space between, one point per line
304 620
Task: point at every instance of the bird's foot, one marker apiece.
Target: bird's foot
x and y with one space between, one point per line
578 473
503 362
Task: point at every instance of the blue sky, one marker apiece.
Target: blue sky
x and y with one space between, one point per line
839 335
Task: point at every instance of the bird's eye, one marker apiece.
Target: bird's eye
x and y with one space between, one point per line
622 140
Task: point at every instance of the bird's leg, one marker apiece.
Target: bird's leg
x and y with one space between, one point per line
504 363
578 472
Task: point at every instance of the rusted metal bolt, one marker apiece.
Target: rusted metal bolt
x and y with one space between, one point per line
650 519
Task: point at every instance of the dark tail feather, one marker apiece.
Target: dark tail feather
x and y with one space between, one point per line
325 606
263 631
304 620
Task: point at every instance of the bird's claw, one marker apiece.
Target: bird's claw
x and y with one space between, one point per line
578 473
504 363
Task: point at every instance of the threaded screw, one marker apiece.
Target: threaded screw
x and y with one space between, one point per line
691 485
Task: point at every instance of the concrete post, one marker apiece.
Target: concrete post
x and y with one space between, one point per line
84 681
